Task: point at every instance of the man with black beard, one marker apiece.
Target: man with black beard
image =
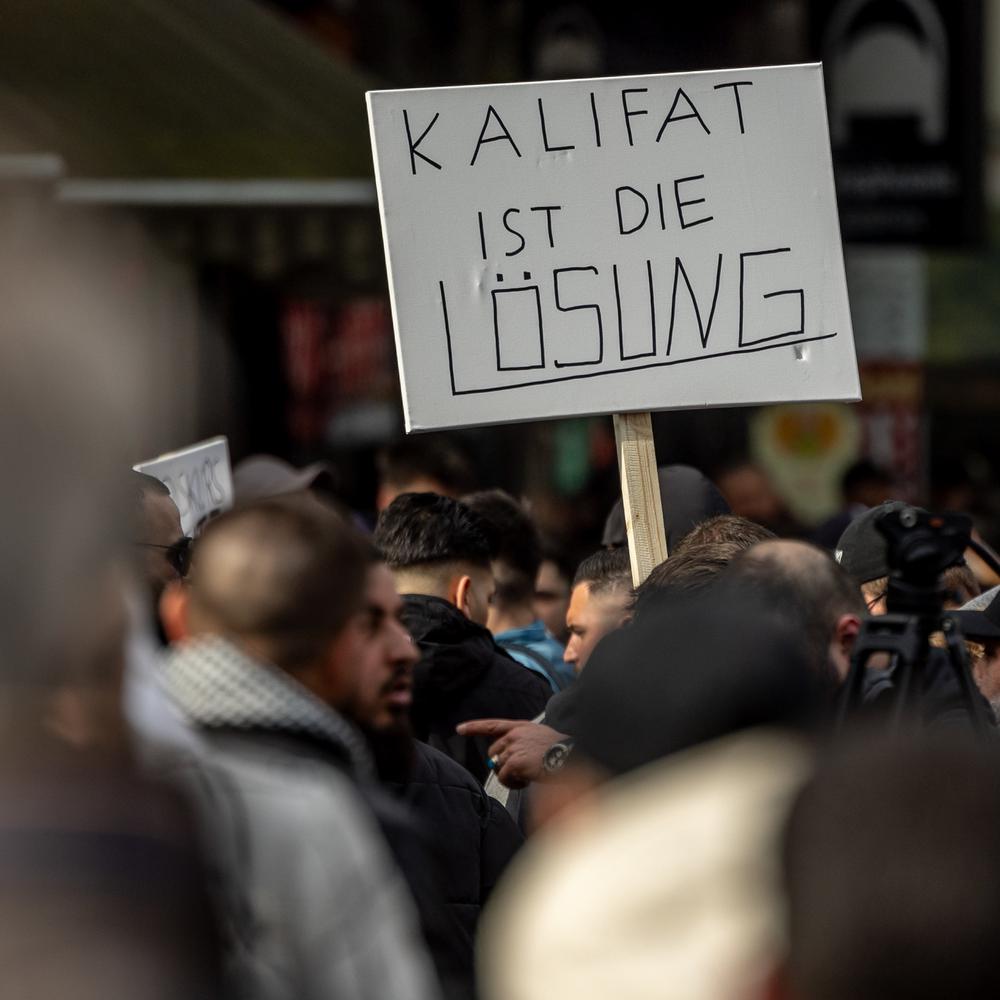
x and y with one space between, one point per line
473 835
448 838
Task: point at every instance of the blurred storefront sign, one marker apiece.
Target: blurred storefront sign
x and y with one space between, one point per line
904 88
340 370
361 364
304 330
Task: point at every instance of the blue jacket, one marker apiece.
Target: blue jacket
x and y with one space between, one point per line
532 646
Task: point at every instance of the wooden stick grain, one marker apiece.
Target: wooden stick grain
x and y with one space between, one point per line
647 539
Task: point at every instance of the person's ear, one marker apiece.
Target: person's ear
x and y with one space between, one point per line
459 593
174 612
847 629
842 643
384 496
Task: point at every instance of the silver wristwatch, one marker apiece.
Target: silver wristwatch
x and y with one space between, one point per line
556 756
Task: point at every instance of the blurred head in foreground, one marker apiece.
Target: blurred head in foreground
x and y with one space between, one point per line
686 757
100 888
698 669
82 394
157 534
892 865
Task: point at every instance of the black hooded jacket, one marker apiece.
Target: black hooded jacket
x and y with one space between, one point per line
473 835
463 674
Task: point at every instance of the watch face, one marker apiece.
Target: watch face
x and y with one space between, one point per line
555 757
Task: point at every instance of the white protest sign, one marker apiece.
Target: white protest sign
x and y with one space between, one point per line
602 246
199 479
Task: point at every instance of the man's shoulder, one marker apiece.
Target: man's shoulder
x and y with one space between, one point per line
507 674
286 814
271 779
434 767
269 769
426 615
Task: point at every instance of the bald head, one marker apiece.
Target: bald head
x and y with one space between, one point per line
803 585
281 576
791 557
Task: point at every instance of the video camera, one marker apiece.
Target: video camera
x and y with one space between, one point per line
920 547
918 675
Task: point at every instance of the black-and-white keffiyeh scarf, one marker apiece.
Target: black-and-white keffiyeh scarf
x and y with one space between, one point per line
217 685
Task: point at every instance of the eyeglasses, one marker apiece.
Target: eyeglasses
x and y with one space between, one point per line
872 602
178 554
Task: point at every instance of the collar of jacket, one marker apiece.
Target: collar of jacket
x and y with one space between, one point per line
218 686
433 619
455 652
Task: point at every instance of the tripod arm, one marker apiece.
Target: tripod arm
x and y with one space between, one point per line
987 555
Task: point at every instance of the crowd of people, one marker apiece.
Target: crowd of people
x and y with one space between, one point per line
302 756
396 781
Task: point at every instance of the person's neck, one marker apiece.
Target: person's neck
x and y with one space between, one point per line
504 619
429 584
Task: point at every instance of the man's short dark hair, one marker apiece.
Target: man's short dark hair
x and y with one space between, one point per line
288 571
892 870
426 457
606 571
802 584
690 570
698 560
514 541
421 529
727 529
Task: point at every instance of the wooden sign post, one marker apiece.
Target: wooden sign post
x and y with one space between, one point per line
613 246
643 508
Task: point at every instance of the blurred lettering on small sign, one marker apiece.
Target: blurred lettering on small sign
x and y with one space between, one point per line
612 245
199 478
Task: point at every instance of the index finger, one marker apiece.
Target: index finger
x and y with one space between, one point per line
486 727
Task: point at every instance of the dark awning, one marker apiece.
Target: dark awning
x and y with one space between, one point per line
177 90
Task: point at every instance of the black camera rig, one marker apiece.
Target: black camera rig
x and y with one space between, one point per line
921 546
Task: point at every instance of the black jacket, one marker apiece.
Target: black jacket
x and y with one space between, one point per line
941 701
473 835
560 712
463 674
